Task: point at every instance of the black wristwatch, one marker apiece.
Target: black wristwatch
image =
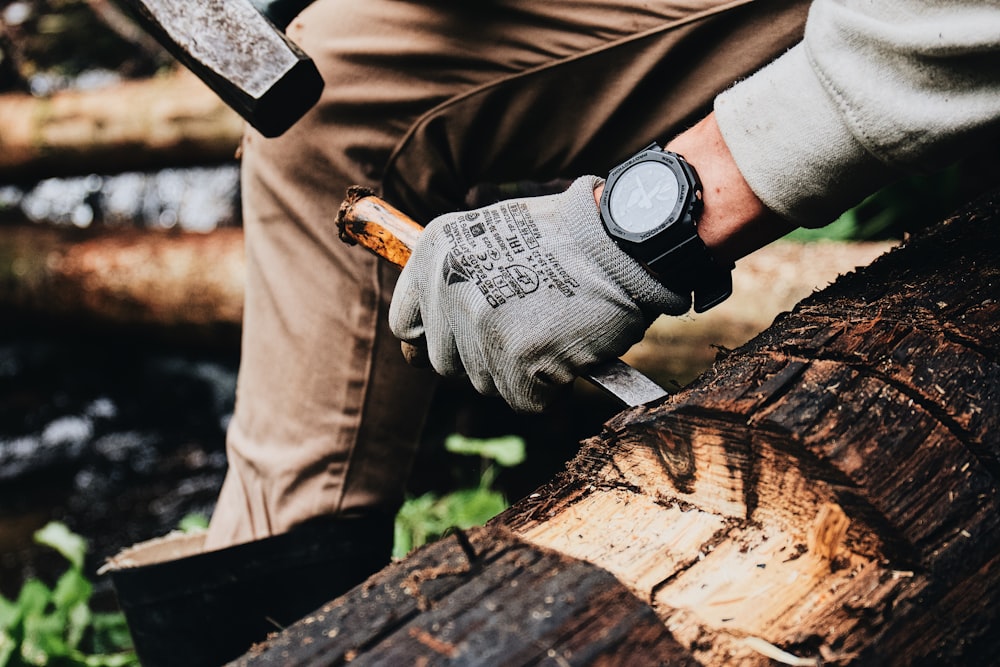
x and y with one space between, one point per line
650 207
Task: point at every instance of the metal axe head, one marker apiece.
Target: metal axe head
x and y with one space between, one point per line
239 54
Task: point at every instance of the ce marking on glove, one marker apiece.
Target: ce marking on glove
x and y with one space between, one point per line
488 259
514 281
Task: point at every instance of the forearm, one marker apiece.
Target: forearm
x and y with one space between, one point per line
734 222
874 91
842 114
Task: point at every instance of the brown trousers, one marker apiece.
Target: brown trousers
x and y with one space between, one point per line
425 99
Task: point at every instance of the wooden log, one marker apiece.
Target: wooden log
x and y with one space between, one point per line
165 121
826 494
464 585
189 282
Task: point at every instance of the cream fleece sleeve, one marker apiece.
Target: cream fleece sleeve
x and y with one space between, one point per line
877 88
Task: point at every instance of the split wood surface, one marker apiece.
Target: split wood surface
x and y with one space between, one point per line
827 494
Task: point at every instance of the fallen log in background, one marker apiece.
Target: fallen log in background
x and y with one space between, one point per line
827 494
167 121
188 282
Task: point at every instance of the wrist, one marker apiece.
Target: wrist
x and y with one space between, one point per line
734 222
649 207
632 276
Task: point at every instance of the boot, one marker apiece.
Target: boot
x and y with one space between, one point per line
185 607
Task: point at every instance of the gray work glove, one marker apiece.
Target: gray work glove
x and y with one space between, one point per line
523 295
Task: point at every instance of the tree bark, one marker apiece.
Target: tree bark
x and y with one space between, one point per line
826 494
187 282
162 122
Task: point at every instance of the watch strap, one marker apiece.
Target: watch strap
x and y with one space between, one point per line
693 258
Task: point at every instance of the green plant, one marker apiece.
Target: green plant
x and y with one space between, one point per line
427 517
54 626
193 523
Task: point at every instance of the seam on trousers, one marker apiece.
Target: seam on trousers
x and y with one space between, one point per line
603 48
373 312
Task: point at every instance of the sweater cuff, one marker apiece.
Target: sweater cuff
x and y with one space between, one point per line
792 144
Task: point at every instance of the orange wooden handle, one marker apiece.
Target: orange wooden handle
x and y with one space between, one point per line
366 220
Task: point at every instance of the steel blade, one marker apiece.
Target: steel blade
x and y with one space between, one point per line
624 383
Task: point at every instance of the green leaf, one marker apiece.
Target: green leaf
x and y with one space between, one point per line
419 521
125 659
10 614
111 633
33 598
402 540
7 647
77 621
473 507
47 626
426 518
193 523
842 229
70 598
71 589
43 638
62 539
508 450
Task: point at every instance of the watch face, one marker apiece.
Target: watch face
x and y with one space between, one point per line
644 197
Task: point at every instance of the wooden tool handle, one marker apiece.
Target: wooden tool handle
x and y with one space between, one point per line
368 221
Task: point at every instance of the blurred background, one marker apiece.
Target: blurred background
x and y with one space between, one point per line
121 293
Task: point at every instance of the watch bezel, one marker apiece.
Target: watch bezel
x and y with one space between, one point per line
685 196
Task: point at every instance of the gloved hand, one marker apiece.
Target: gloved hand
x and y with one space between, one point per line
523 295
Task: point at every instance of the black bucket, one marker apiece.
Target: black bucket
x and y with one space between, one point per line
193 608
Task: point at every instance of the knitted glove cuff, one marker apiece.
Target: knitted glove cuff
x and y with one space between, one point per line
645 290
